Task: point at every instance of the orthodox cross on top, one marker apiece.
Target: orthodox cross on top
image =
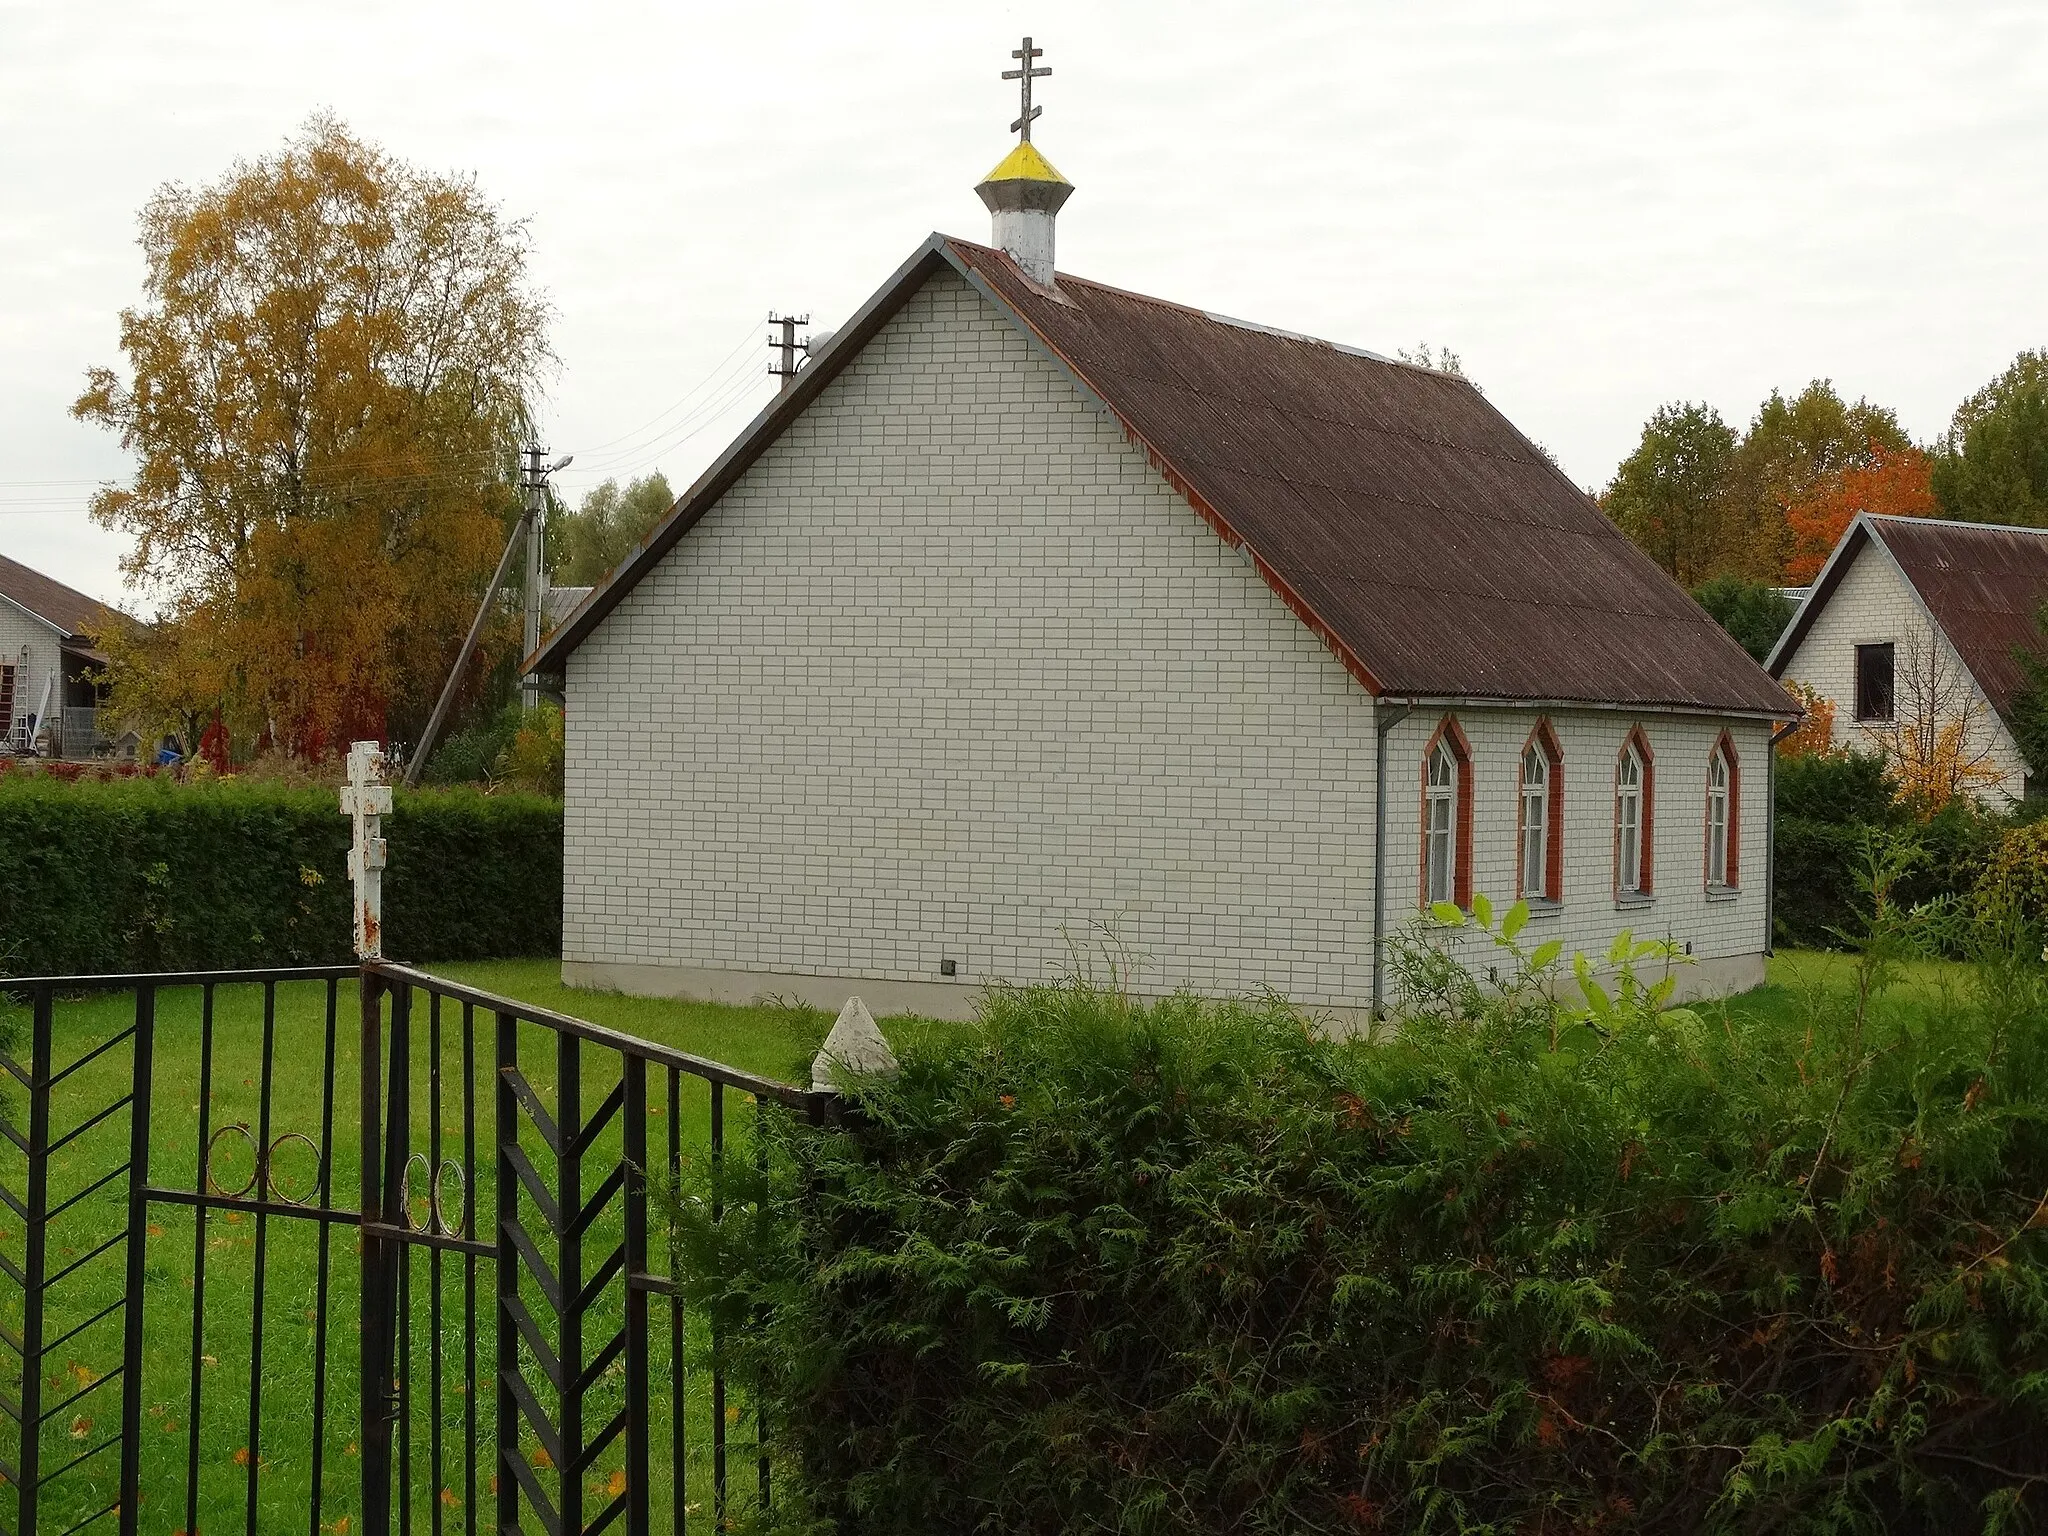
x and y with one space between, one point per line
1024 74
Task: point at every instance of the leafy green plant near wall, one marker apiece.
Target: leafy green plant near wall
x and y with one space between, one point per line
147 874
1528 1265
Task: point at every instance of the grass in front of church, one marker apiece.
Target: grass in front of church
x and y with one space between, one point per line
775 1041
1799 979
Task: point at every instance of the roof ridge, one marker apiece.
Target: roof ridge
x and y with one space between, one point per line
1350 349
1956 523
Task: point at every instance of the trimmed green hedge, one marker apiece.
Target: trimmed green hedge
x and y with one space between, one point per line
149 874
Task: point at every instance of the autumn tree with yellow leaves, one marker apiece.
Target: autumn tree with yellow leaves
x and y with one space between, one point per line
1938 745
326 386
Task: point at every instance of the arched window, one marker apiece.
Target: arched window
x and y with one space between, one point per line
1634 809
1447 817
1539 844
1440 824
1724 811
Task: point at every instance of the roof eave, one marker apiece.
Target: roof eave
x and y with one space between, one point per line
51 625
1860 529
746 449
1708 711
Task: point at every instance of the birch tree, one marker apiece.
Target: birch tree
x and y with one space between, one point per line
326 384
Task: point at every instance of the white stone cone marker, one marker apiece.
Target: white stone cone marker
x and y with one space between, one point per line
856 1045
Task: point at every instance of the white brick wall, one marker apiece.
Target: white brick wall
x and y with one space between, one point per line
18 630
951 673
1872 604
1719 926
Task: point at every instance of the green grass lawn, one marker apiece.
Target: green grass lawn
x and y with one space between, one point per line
255 1427
1796 979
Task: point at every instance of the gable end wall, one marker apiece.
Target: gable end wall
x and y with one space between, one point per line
19 633
893 703
1871 604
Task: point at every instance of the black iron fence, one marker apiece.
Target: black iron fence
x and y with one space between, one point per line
233 1298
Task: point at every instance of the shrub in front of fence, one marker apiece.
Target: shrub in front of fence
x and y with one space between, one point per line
147 874
1190 1266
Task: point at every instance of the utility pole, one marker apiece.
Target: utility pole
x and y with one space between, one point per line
787 345
536 574
527 528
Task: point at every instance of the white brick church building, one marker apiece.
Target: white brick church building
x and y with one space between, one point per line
1038 611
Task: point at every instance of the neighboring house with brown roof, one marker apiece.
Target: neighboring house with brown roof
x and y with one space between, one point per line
1916 621
1042 624
50 674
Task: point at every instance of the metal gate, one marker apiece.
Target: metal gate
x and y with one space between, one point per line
234 1298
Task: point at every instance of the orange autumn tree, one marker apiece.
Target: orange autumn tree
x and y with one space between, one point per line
1895 482
1814 736
327 383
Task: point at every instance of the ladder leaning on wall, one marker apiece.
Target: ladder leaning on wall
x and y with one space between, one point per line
23 726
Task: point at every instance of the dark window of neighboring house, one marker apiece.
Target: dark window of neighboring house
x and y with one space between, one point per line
1874 682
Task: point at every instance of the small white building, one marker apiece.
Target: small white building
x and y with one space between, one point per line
49 670
1911 628
1042 623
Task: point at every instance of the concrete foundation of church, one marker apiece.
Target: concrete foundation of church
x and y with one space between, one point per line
1722 976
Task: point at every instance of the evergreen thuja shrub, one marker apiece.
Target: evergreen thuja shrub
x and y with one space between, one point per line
1098 1264
1829 807
146 874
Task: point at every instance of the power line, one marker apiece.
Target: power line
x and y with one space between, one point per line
655 420
503 454
710 416
713 396
738 378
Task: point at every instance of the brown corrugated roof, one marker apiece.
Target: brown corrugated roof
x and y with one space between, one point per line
1982 585
1398 513
54 603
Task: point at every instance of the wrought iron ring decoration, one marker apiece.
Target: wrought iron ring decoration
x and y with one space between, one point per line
263 1176
435 1222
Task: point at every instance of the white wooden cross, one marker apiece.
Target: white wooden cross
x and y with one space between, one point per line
364 799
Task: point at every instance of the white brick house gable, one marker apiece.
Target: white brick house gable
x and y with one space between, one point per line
952 676
894 702
51 678
32 656
1866 598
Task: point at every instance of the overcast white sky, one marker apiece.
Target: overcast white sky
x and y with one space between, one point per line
1601 206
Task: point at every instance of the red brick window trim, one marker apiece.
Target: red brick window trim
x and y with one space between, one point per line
1539 820
1724 816
1447 816
1635 817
